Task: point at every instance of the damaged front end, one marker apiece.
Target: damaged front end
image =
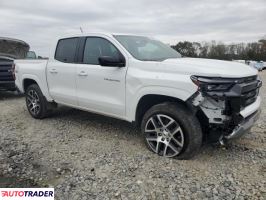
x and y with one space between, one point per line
228 107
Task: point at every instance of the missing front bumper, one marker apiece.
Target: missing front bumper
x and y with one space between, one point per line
244 127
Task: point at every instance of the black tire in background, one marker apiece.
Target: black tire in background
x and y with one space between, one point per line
36 103
189 138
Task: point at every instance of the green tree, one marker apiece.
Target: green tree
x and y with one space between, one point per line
241 51
186 49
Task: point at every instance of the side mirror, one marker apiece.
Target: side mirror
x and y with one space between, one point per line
109 61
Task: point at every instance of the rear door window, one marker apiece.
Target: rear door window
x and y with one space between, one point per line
66 50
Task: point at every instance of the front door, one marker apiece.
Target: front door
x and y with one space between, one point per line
101 89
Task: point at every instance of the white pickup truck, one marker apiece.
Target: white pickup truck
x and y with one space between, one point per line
176 101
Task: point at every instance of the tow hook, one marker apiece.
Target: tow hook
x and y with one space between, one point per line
222 141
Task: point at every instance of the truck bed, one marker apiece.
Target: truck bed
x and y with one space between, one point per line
37 70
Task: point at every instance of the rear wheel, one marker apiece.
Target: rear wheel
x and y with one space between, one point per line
36 102
170 130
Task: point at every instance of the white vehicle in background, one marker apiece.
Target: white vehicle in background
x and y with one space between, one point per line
175 100
264 65
256 64
31 55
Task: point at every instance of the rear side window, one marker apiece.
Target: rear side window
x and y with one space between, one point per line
66 50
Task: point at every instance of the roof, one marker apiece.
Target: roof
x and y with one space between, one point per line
99 34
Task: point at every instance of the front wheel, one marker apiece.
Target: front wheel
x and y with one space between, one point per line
171 130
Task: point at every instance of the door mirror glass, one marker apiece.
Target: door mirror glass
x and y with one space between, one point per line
109 61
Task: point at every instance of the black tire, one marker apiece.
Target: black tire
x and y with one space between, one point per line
42 111
190 132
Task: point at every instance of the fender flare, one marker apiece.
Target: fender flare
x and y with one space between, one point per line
39 83
178 93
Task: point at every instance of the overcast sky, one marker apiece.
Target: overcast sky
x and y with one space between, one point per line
38 22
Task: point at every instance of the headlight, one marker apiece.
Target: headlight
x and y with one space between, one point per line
213 84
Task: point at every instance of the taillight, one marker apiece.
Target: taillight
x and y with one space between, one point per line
14 71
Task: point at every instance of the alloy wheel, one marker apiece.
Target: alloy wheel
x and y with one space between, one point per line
33 102
164 135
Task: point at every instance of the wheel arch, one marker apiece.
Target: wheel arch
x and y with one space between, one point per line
28 80
149 100
152 95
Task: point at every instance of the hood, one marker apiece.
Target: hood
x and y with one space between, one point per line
13 48
208 67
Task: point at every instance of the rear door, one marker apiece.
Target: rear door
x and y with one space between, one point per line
61 72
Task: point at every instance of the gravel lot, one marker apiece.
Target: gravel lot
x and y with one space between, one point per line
87 156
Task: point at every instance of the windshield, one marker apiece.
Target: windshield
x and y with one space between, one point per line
147 49
31 55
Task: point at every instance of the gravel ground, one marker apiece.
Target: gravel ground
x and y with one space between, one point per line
87 156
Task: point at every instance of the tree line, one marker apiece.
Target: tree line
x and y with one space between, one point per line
217 50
